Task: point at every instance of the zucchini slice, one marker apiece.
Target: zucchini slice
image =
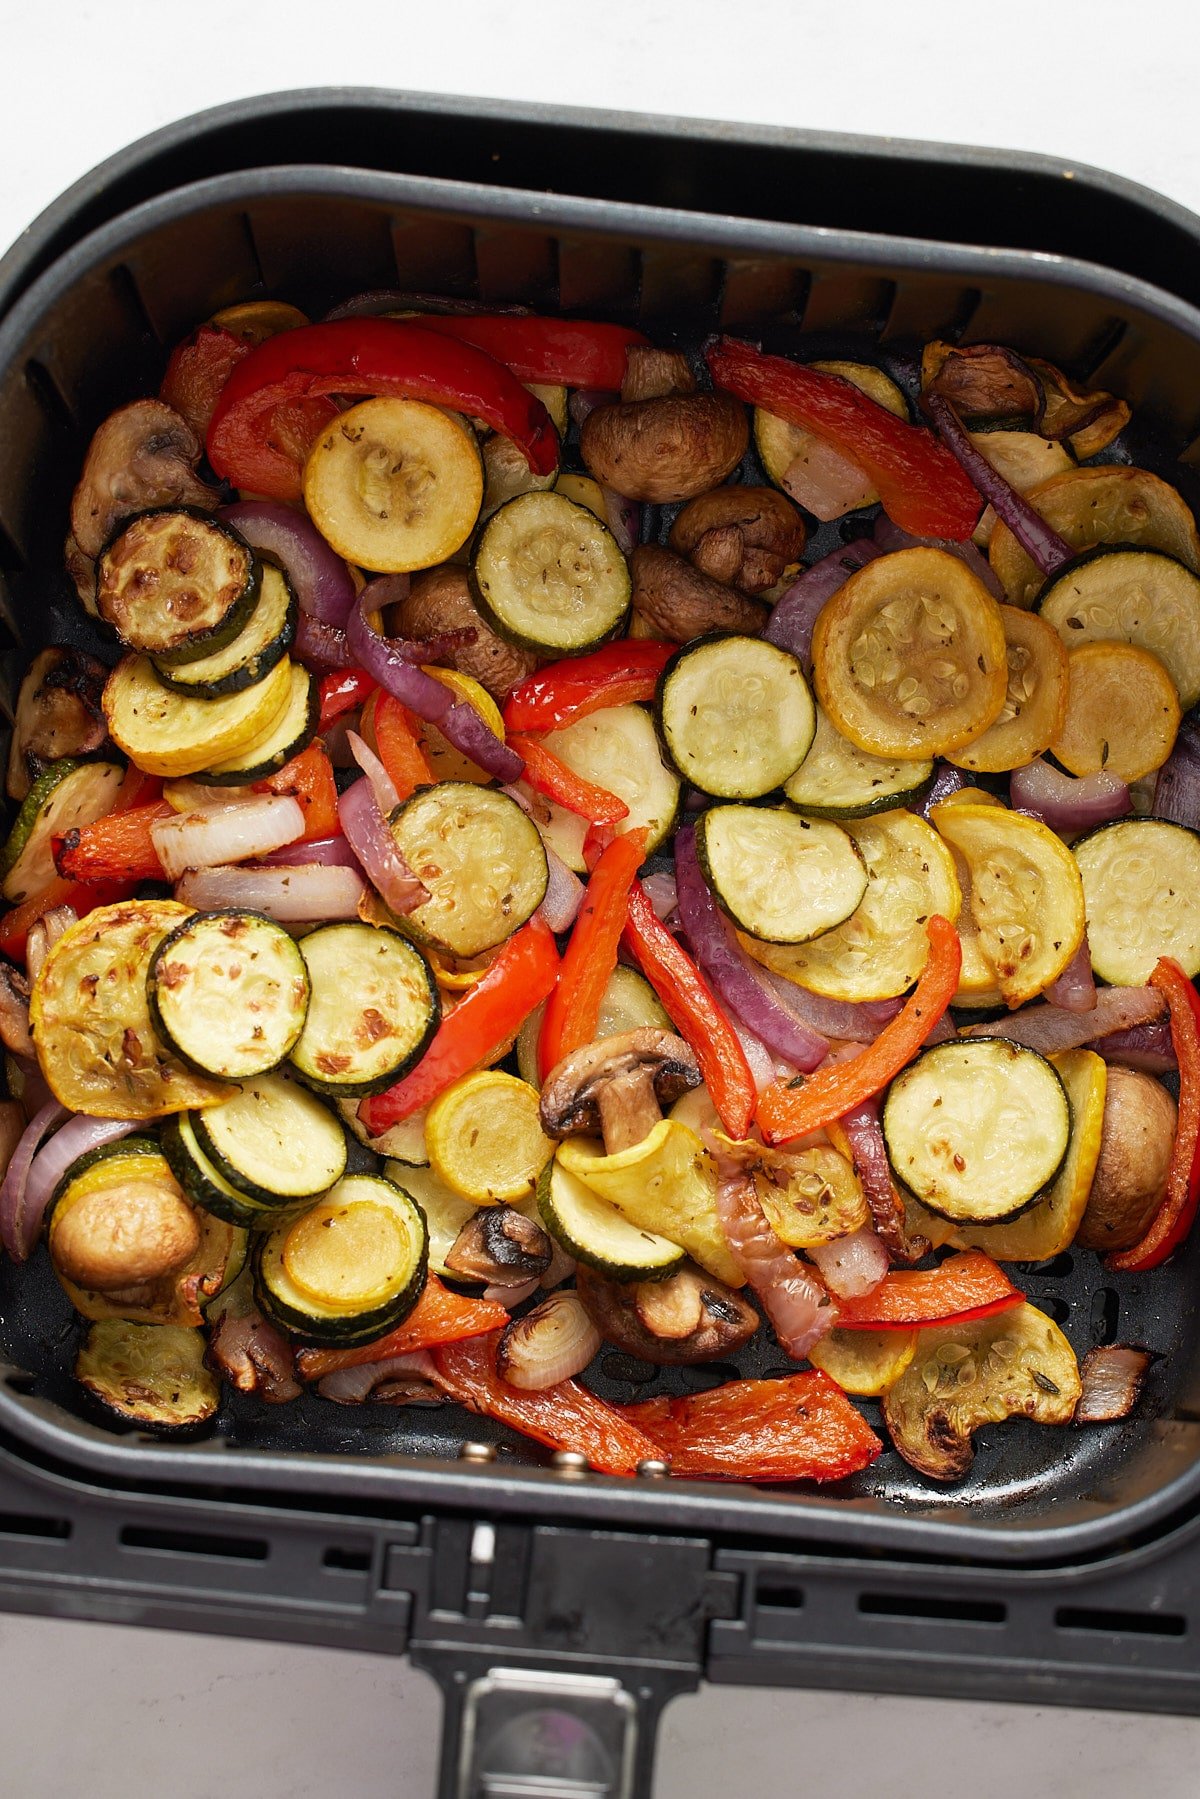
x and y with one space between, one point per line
445 1212
150 1375
203 1183
373 1008
394 484
274 1141
482 860
781 877
403 1144
1026 897
595 1232
736 715
1110 504
548 576
1035 699
909 656
169 733
290 733
228 992
91 1023
881 949
1141 891
618 749
348 1269
264 640
64 797
628 1003
838 780
177 584
1122 715
779 443
977 1130
1137 596
485 1139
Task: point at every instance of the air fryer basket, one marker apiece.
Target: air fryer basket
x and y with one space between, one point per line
93 330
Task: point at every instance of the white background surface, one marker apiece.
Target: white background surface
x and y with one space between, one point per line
127 1714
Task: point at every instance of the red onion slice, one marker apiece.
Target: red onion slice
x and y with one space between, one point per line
321 648
395 1379
624 520
852 1266
1051 1029
1075 988
1042 544
1112 1377
236 832
845 1021
564 894
585 400
1067 803
553 1343
1147 1047
382 786
12 1190
79 1135
946 780
296 895
329 852
369 837
874 1172
321 579
827 482
660 889
797 1305
1177 789
740 984
890 537
513 1295
790 626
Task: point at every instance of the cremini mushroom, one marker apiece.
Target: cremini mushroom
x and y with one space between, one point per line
745 536
44 933
143 455
683 602
501 1247
1135 1156
617 1086
689 1317
440 600
125 1236
58 714
665 449
14 1011
654 374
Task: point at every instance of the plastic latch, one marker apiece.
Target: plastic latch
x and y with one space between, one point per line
539 1735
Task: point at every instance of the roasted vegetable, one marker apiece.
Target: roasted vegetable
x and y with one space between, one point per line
744 536
665 449
1135 1157
686 1317
58 714
151 1376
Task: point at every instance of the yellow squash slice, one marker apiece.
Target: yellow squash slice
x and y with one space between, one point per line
1035 700
909 656
1136 596
169 733
485 1139
1026 894
1122 715
91 1022
865 1363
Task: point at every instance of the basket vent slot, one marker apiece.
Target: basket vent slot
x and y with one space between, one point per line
124 283
771 1596
194 1542
933 1607
1112 1623
28 1524
49 395
346 1561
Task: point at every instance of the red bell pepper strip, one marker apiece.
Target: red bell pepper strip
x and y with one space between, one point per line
198 370
363 356
81 896
961 1289
488 1014
548 774
1175 1216
554 352
923 488
397 744
809 1102
799 1428
616 675
439 1316
694 1012
309 779
118 847
573 1009
342 691
565 1416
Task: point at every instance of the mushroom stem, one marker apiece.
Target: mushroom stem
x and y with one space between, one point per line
629 1109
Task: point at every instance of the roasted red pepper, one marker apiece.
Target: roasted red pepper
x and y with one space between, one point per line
488 1015
811 1101
566 1416
439 1316
548 774
342 692
197 372
573 1009
1175 1216
309 779
389 725
923 488
561 691
362 356
799 1428
118 847
82 897
694 1012
554 352
962 1288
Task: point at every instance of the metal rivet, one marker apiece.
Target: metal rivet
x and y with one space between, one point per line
477 1452
569 1461
651 1469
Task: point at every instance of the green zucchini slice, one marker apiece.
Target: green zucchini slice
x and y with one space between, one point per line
228 991
66 796
264 640
1131 595
290 734
274 1141
595 1232
482 860
177 584
781 877
373 1008
348 1269
628 1003
548 576
445 1212
736 715
618 749
977 1130
838 780
203 1183
1141 896
150 1375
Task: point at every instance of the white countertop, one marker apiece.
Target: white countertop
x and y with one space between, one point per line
129 1714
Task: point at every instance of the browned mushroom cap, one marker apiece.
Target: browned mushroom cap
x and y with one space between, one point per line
617 1085
501 1246
14 1011
689 1317
126 1235
668 449
143 455
440 600
653 374
58 714
682 602
746 536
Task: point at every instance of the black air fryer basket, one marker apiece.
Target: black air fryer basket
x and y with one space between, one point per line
532 1588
